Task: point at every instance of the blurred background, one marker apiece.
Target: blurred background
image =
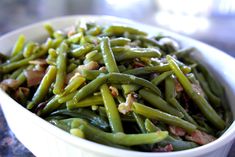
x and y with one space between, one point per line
210 21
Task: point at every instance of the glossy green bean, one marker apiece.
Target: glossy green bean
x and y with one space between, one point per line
81 50
120 30
89 101
140 121
131 79
213 99
108 56
119 138
90 87
148 69
18 47
61 65
111 109
158 79
159 103
43 88
162 116
203 105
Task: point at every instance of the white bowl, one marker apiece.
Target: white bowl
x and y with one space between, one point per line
46 140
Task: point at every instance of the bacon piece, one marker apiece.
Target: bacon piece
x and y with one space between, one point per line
176 130
200 137
9 83
114 91
33 77
167 148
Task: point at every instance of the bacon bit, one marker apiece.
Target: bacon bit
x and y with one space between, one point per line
126 107
33 77
138 64
200 137
186 102
114 91
176 130
9 83
21 93
103 68
39 62
178 86
167 148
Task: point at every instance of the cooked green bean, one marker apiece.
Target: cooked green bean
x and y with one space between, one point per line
111 109
159 103
203 105
93 100
91 87
126 79
120 30
160 78
118 138
108 56
42 90
61 69
18 45
162 116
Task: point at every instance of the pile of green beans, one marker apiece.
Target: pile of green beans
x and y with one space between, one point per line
117 86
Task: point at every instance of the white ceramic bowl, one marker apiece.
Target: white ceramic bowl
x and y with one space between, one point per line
46 140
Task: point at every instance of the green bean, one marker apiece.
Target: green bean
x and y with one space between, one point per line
119 41
131 79
90 87
214 100
75 82
118 138
140 121
43 88
51 106
17 72
18 45
159 103
86 114
137 53
91 74
94 31
148 69
203 105
158 79
108 56
162 116
75 38
111 109
65 98
49 29
82 50
61 69
89 101
214 85
17 57
14 65
29 49
150 127
129 88
120 30
71 67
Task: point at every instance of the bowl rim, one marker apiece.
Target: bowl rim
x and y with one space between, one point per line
96 147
